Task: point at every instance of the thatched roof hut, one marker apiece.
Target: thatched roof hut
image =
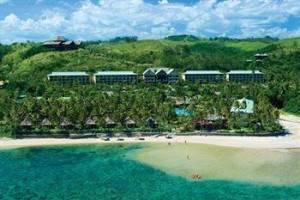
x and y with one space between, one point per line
90 123
151 122
66 124
26 124
130 123
109 123
46 123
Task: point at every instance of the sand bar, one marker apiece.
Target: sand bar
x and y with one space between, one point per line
289 122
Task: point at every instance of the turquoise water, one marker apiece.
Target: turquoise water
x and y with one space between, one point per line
182 112
105 172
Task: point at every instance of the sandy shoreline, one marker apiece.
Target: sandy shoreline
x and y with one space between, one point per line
289 122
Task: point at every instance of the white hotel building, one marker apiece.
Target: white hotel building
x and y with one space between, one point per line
112 77
203 76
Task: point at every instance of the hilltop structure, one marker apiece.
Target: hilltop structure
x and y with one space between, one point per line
160 75
61 43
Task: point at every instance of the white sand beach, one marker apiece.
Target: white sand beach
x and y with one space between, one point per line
289 122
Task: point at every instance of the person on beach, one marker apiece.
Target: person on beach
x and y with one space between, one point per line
196 176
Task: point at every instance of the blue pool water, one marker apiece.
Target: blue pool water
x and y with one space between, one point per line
182 112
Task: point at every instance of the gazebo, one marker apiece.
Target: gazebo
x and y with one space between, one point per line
66 124
109 123
46 123
151 122
130 123
90 123
26 124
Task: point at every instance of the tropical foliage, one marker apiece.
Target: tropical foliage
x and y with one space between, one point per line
24 67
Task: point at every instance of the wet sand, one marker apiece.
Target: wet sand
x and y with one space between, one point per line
210 162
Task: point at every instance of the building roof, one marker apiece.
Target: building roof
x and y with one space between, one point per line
151 121
128 120
68 74
68 42
171 71
261 54
26 122
149 71
90 122
109 121
46 122
112 73
244 72
243 106
52 43
202 72
156 70
65 122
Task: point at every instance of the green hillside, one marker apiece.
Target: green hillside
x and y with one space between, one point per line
247 46
179 52
24 67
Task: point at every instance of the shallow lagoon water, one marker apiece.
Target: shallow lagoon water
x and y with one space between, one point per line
271 166
115 172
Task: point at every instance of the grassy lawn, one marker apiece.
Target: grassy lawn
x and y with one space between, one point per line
282 112
247 46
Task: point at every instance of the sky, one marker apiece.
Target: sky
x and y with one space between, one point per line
40 20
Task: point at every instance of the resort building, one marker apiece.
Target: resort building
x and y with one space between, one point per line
69 77
160 75
260 56
245 76
202 76
111 77
61 43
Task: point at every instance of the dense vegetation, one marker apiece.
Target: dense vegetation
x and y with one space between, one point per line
24 67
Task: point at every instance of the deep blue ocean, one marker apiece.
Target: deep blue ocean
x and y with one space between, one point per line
105 172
